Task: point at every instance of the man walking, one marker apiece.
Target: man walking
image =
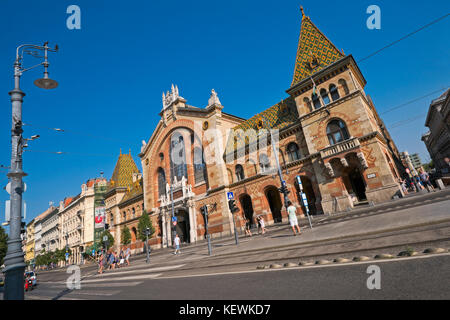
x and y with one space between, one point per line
127 255
177 244
293 218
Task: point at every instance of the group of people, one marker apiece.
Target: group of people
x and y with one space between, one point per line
421 181
112 260
293 221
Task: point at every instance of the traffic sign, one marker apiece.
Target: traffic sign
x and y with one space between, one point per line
174 223
230 195
105 238
174 219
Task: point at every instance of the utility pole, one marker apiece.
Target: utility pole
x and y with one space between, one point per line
14 260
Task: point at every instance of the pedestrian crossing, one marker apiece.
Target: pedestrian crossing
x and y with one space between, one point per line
108 285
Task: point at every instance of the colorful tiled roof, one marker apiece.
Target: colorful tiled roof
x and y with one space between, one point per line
315 51
123 172
278 117
133 191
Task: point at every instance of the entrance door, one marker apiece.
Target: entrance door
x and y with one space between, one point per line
246 204
182 226
310 195
358 184
274 199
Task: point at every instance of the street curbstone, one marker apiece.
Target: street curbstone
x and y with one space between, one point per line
260 267
361 258
275 266
323 262
341 260
384 256
434 250
408 253
290 264
305 263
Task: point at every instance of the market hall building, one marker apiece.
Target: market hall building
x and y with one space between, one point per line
329 134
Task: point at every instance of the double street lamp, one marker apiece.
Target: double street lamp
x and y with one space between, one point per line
14 260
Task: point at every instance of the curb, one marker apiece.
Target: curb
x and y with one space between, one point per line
341 260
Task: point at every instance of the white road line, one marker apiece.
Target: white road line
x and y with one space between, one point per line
140 270
148 276
375 261
100 285
93 293
49 298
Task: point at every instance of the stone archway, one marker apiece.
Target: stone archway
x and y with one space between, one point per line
247 207
183 228
274 199
310 195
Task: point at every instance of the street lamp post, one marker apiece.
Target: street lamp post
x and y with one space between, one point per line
14 260
280 174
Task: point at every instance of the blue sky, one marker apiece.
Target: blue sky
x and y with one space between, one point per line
112 72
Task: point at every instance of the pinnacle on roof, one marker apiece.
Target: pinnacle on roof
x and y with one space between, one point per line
123 172
315 51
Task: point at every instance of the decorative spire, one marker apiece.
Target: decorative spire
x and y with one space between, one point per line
315 51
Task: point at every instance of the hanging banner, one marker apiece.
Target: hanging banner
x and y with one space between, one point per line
99 217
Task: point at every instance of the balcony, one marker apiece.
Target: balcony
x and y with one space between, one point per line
340 147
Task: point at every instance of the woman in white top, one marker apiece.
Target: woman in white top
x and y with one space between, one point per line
293 218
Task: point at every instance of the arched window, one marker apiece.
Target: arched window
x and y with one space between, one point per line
307 103
343 84
316 101
293 152
239 172
324 95
264 162
124 216
334 92
161 182
337 131
111 220
178 156
199 165
133 212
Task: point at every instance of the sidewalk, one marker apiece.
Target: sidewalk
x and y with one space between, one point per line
318 221
281 239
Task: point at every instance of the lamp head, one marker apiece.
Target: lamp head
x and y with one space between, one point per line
46 83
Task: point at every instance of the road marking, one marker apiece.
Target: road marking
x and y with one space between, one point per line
49 298
100 285
140 270
307 267
148 276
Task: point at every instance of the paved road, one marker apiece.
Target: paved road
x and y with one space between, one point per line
424 277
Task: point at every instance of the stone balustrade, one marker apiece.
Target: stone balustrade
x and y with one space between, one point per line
340 147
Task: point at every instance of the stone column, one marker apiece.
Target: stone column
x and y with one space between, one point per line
192 222
164 228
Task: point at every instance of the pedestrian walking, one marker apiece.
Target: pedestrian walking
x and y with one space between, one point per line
248 225
262 224
177 244
127 255
101 263
293 218
426 180
111 260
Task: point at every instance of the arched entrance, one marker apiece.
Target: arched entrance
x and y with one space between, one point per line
358 184
247 207
182 228
310 195
274 200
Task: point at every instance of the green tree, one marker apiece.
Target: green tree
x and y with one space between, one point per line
126 236
110 239
144 223
3 244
